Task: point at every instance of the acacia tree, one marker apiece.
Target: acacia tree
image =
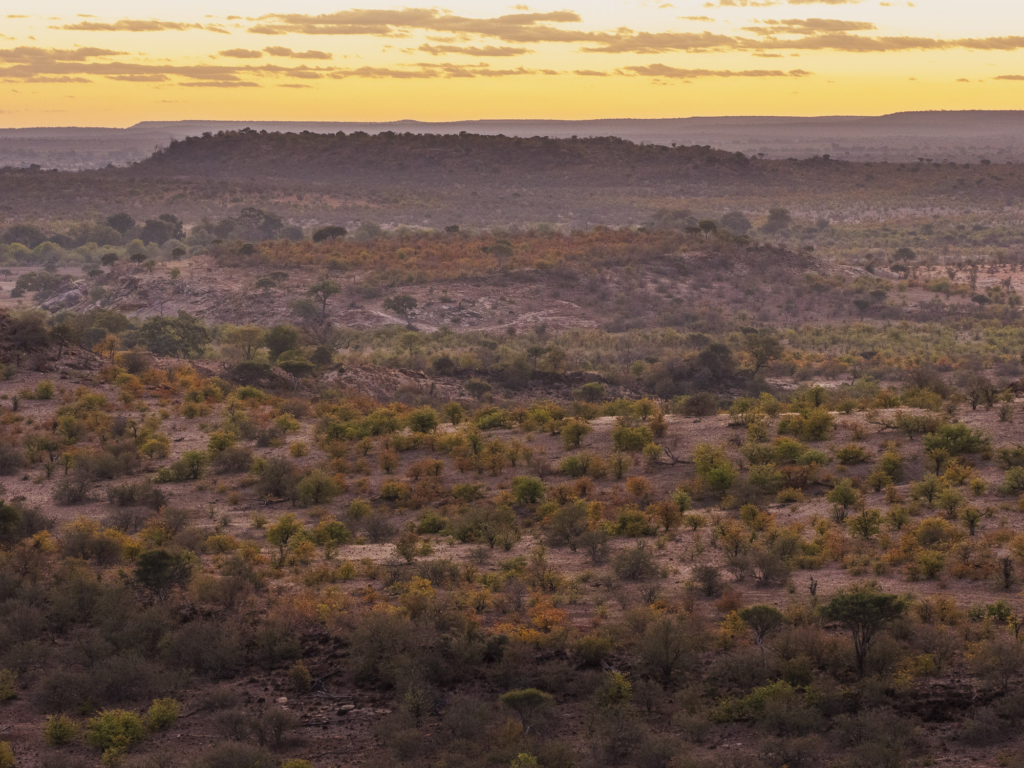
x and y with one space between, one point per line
763 619
863 611
321 292
401 305
763 347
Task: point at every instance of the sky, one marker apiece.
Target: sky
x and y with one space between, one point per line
122 61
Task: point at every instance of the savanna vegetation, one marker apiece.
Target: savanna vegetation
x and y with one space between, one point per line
725 489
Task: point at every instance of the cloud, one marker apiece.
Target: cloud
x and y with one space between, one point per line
590 73
130 25
1009 77
241 53
155 77
663 70
27 64
627 41
25 54
429 70
221 84
660 42
277 50
60 79
515 27
809 26
486 50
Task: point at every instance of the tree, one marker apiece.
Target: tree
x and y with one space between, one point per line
183 336
573 432
842 496
863 611
501 250
329 233
763 619
247 339
158 570
321 292
478 388
779 219
708 227
108 259
764 347
401 305
281 339
316 488
528 703
122 222
904 254
281 533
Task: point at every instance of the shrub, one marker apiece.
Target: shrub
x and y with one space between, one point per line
635 564
527 489
6 756
573 432
159 570
162 713
529 704
958 439
8 688
634 523
60 730
190 466
628 439
300 677
423 420
233 459
812 427
115 731
714 468
852 454
316 488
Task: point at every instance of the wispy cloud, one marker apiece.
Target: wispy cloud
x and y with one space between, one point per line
663 70
516 27
139 25
241 53
473 50
282 52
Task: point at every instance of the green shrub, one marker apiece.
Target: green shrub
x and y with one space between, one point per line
316 488
115 731
60 730
958 439
190 466
527 489
8 688
162 713
6 756
852 454
634 523
423 420
628 439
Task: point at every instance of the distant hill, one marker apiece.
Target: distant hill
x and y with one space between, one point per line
957 136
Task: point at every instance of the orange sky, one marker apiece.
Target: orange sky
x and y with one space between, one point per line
311 60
